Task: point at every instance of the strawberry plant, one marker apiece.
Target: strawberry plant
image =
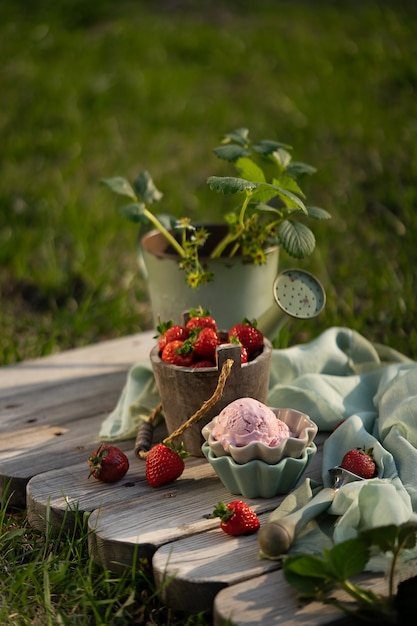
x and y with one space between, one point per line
316 577
271 211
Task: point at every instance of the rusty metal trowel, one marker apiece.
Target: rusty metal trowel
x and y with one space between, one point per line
276 536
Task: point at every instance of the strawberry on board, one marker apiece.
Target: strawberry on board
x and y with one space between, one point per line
178 352
108 464
168 331
237 518
205 342
164 464
200 318
360 462
248 335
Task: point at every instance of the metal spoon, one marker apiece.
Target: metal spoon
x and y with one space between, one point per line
276 536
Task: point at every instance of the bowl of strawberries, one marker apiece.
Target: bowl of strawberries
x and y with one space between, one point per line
187 361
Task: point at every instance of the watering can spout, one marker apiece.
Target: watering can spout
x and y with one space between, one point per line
298 294
271 321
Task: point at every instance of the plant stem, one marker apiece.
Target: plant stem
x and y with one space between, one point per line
174 243
229 238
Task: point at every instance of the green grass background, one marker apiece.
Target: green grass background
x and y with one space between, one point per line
96 89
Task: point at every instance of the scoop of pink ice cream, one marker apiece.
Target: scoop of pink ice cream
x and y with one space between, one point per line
246 420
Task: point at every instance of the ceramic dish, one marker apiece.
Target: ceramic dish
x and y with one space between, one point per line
299 423
257 479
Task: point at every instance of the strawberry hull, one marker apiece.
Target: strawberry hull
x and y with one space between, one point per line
183 390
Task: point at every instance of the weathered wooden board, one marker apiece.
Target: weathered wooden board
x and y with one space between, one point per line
198 566
168 514
51 408
269 599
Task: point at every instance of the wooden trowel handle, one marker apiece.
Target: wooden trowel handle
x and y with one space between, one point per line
277 536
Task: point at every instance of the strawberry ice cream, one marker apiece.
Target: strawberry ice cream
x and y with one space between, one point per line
247 420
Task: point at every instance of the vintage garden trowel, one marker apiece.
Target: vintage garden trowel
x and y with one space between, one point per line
276 536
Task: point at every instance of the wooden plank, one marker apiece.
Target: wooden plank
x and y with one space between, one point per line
269 599
168 514
56 498
156 516
93 360
193 570
51 409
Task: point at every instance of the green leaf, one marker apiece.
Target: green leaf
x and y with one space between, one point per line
308 565
317 213
249 170
289 199
230 184
119 185
289 183
231 152
146 189
134 212
282 158
268 146
407 535
383 536
297 169
348 558
240 136
388 538
307 586
296 239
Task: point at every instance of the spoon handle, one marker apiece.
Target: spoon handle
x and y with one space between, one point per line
277 536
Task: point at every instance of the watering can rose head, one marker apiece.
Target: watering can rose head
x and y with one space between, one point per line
272 201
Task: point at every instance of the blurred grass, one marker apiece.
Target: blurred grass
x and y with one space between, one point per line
92 90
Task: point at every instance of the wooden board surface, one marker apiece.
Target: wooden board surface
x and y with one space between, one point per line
269 599
51 409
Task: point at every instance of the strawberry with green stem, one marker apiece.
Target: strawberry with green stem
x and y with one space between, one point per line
236 518
178 352
164 464
248 335
168 331
108 463
360 462
200 318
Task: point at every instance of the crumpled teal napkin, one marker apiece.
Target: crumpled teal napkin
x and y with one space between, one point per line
370 393
338 377
136 402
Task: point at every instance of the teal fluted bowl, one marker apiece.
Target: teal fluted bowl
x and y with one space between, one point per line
257 479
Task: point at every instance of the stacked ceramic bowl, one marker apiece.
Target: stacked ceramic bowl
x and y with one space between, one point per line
258 451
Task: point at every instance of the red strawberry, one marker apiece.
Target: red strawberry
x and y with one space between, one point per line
108 464
178 352
244 357
360 462
205 344
170 332
248 335
200 318
237 518
164 464
205 363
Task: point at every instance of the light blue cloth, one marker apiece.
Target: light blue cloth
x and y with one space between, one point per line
338 377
